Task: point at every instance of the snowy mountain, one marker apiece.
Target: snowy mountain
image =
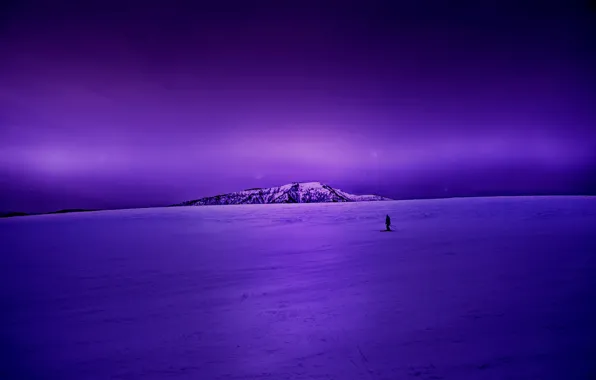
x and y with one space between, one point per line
297 192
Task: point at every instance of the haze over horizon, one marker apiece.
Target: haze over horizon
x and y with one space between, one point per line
109 104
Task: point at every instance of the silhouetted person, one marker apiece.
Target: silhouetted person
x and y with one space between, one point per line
388 222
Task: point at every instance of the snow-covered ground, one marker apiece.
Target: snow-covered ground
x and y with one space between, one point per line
494 288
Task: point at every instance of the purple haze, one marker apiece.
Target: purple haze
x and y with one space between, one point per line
116 104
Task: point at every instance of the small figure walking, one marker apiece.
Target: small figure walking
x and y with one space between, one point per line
388 222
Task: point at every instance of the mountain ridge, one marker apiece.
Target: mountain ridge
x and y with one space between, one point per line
295 192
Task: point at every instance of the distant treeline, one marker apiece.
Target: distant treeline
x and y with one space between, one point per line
11 214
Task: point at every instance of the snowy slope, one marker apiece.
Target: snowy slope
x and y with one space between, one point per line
483 289
297 192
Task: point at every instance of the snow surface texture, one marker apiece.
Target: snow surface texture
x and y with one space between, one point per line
297 192
494 288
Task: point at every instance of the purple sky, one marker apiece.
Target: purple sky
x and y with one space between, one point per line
116 104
